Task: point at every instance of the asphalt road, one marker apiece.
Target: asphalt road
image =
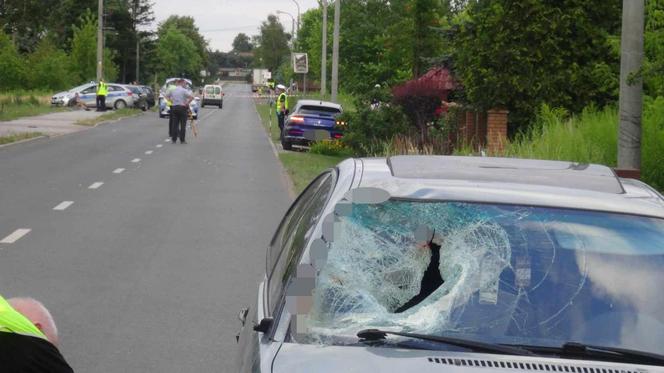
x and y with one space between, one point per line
147 271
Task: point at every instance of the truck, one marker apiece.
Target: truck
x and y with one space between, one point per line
260 78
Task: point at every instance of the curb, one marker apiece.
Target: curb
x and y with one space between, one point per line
286 179
24 141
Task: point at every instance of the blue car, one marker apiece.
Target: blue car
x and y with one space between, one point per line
311 121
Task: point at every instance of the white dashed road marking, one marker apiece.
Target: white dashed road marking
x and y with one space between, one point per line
96 185
118 170
148 152
63 205
167 140
159 146
135 160
16 235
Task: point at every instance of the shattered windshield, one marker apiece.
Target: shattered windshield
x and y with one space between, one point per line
496 273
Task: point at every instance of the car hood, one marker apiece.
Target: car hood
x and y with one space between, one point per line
322 359
61 94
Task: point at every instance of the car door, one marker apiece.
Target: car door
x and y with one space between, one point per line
284 253
89 96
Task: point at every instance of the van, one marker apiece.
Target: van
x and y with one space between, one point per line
213 95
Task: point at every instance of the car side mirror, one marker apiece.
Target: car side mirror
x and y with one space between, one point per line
265 325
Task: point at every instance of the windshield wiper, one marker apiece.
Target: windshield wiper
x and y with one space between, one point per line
580 350
377 334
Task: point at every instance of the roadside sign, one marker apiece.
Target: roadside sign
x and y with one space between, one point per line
300 63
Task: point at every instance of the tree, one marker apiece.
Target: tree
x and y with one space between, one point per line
12 68
177 55
272 48
49 67
187 26
84 52
242 43
25 21
520 54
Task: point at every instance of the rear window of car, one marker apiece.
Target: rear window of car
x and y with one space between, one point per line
322 110
212 90
135 90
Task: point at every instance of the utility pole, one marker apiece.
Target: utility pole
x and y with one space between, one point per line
335 51
100 40
138 57
323 63
631 87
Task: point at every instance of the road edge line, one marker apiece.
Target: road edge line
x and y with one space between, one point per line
286 179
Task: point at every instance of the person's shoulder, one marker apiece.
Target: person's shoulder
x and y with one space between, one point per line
22 353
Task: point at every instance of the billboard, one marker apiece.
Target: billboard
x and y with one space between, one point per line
300 63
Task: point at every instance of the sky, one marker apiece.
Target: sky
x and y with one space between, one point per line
221 20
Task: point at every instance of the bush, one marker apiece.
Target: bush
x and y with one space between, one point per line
330 147
369 129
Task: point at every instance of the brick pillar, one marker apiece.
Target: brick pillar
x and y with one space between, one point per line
496 134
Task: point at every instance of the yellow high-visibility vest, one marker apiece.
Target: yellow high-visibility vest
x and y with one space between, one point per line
282 102
102 90
11 321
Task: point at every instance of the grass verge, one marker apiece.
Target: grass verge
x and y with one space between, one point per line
301 166
114 115
14 137
11 112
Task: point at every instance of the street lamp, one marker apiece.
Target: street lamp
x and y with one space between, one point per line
293 25
298 17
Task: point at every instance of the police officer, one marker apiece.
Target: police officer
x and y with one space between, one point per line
282 106
180 98
102 91
28 338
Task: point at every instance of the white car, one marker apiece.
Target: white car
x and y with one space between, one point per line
213 95
462 265
118 97
165 105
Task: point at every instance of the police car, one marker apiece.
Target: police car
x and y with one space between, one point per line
118 97
165 105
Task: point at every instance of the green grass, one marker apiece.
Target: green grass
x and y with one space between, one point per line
265 111
18 137
114 115
19 104
303 167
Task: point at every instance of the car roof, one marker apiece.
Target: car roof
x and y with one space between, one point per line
326 104
510 181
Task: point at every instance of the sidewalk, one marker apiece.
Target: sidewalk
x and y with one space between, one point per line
52 124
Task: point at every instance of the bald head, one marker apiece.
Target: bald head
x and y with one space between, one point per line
35 311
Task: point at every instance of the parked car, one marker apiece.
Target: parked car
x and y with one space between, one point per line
165 105
118 97
140 97
150 96
213 95
312 120
461 264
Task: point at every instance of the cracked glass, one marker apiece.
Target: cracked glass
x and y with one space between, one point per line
510 274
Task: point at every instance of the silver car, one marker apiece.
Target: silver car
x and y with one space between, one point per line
118 97
434 264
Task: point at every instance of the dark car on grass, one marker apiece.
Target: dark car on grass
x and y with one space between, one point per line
311 121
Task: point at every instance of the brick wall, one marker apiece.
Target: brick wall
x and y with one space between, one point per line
496 135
